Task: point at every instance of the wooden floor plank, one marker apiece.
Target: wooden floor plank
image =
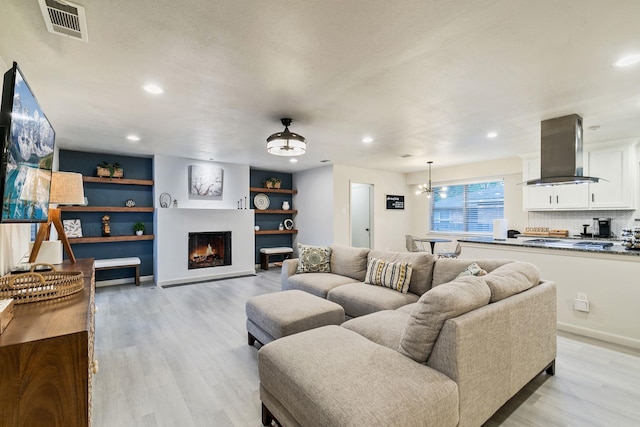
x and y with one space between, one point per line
179 357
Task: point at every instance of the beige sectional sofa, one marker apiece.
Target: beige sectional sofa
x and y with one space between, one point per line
449 352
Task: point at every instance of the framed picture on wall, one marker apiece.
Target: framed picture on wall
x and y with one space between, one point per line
72 227
205 180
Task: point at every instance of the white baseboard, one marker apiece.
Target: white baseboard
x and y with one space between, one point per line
604 336
124 281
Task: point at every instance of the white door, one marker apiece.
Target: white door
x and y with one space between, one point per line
361 215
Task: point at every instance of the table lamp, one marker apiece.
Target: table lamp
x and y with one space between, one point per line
66 189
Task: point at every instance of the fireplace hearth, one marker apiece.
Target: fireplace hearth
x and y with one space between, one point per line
209 249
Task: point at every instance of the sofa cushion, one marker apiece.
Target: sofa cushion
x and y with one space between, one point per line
435 307
359 299
332 376
348 261
511 279
313 259
421 267
392 275
383 327
472 269
318 284
447 269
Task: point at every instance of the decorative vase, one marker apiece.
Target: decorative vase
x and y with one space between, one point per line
139 232
281 227
285 206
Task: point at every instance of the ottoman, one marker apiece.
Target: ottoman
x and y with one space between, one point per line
276 315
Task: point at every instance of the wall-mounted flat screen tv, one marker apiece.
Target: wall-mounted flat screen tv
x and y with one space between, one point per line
27 140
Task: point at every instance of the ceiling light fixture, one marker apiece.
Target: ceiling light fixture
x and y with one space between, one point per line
492 134
133 138
367 140
293 160
286 143
154 89
627 60
426 188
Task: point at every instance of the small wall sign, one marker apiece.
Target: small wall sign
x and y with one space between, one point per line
395 202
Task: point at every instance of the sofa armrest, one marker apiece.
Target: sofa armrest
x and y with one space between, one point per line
289 268
492 352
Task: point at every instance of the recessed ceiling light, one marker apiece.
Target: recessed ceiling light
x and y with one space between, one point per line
492 135
293 160
325 161
594 127
627 60
134 138
367 139
152 88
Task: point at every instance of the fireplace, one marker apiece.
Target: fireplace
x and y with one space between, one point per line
209 249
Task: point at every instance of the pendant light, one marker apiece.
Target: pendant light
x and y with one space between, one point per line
286 143
426 188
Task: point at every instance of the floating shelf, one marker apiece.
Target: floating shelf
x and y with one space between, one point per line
106 209
272 190
125 181
277 211
132 238
277 232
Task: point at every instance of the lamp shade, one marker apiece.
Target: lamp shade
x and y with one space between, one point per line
286 143
66 188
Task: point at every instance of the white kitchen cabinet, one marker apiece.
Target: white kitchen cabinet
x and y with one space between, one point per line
559 197
614 162
616 165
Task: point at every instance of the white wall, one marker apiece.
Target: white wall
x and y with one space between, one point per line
508 169
389 226
314 202
171 175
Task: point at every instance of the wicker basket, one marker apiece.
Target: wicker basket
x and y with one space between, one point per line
106 173
32 286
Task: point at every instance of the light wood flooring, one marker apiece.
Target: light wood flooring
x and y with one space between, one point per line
179 357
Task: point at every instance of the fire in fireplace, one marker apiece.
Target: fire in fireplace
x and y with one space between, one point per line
209 249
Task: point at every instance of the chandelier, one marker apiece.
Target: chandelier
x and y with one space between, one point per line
426 188
286 143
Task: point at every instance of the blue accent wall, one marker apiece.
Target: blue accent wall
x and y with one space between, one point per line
271 221
100 194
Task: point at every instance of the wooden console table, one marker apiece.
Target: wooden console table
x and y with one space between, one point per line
46 359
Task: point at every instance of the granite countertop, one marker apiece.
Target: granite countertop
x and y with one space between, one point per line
555 243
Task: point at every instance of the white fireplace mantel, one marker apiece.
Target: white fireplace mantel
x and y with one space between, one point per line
172 228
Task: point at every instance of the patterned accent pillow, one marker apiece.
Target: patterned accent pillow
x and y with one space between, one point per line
393 275
472 270
314 259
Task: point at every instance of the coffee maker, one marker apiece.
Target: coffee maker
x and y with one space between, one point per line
602 227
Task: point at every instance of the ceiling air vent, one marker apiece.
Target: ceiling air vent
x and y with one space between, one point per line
65 19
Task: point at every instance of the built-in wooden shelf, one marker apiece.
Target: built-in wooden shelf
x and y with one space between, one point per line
277 211
277 232
106 209
131 238
272 190
125 181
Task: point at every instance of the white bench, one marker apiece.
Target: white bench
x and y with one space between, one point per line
265 253
111 263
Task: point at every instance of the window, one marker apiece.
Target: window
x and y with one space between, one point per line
467 208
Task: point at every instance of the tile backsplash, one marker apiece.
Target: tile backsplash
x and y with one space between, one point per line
573 220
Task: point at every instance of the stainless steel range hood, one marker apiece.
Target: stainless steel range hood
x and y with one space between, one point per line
561 152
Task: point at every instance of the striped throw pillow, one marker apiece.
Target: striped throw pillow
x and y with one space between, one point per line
393 275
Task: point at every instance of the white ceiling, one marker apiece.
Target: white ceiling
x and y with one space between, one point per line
428 78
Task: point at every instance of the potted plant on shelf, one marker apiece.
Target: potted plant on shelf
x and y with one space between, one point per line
138 227
111 170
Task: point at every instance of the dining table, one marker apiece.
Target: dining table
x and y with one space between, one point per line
432 241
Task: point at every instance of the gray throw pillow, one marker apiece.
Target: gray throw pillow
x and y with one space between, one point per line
511 279
434 308
314 259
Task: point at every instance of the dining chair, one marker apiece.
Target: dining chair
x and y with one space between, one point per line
453 254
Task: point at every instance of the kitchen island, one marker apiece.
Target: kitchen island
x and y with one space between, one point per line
610 278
